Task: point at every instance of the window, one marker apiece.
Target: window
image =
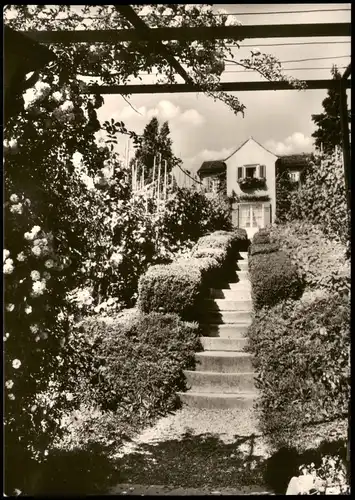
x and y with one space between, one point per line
212 184
294 176
250 172
251 215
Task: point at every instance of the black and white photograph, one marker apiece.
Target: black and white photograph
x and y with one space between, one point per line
176 249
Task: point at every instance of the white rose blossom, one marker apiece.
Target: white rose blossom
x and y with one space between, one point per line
35 230
10 307
38 287
35 275
9 384
16 209
116 258
8 267
11 396
49 263
29 236
28 310
57 96
14 198
21 257
36 250
13 143
34 328
5 254
16 364
67 106
146 10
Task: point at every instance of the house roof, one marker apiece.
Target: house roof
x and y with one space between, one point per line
212 167
295 161
249 139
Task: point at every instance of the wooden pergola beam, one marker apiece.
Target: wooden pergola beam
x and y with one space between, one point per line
224 86
141 27
189 34
344 121
347 72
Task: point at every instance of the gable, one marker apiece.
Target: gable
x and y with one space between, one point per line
251 153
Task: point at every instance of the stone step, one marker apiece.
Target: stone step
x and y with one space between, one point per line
220 383
223 362
242 276
230 317
240 285
224 344
242 265
240 294
225 331
228 305
211 401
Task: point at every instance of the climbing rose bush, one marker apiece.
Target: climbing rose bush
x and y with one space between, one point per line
321 199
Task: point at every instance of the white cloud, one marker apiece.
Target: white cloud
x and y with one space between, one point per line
192 117
165 111
293 144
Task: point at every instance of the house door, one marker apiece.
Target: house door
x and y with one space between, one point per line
251 215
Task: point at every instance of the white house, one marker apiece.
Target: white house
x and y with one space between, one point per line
250 173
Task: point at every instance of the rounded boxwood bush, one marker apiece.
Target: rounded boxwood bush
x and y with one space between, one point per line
273 278
265 248
261 237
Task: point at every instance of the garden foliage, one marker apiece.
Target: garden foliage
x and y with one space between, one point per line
302 353
273 276
321 198
321 262
138 364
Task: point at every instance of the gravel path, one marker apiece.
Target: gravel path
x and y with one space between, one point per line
224 424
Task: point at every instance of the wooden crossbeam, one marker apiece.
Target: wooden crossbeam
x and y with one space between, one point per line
198 33
224 86
131 16
347 72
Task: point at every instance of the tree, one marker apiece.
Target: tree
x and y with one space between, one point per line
283 195
154 142
328 134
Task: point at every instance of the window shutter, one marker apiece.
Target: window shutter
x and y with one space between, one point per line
235 215
240 173
262 171
267 214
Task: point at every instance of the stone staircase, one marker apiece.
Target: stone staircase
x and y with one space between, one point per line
224 376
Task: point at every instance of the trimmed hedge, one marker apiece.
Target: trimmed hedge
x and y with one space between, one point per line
179 287
262 237
273 278
139 362
264 248
301 351
172 288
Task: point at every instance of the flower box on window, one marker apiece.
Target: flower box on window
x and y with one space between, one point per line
251 182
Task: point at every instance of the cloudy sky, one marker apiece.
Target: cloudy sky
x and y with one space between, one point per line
202 129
